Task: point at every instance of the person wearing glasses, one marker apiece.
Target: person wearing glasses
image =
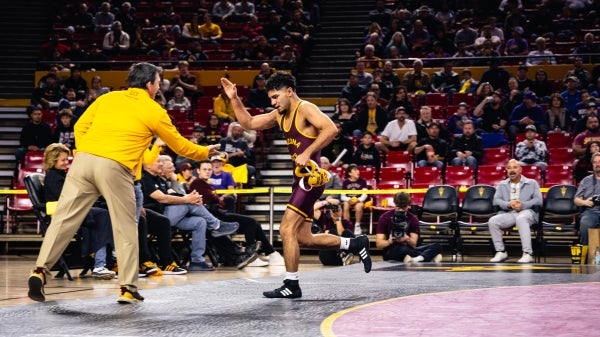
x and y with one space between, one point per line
517 197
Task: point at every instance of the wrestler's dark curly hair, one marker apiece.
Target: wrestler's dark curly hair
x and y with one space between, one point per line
281 80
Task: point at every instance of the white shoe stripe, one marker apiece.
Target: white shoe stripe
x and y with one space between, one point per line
285 292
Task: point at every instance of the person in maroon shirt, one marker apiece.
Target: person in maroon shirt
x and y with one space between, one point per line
251 229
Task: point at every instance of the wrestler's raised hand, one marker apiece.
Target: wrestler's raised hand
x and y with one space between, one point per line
229 88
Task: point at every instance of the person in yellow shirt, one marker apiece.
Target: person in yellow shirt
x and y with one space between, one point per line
112 136
223 108
209 31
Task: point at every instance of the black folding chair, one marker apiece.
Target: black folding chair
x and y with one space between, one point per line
34 183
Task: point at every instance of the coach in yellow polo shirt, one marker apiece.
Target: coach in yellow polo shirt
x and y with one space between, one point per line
111 136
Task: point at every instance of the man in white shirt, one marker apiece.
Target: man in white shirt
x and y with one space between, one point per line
399 134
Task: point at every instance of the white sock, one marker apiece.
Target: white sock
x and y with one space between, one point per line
345 243
417 259
291 276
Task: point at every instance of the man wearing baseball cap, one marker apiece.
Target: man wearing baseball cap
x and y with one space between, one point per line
527 113
532 151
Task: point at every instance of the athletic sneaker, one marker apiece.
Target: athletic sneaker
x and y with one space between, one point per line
37 279
289 289
526 258
360 246
200 266
246 258
499 257
258 263
226 228
148 268
275 259
173 269
128 296
103 273
437 258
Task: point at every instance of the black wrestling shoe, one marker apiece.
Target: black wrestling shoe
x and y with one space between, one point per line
289 289
360 246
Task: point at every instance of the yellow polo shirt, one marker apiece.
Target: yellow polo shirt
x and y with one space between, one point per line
119 125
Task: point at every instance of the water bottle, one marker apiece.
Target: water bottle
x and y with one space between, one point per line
597 256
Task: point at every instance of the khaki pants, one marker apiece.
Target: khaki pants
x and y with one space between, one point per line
89 177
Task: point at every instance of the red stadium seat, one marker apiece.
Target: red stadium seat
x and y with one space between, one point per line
459 176
34 159
180 115
201 115
468 98
368 173
559 175
495 156
561 156
392 175
399 159
490 174
426 176
532 172
186 128
558 139
436 99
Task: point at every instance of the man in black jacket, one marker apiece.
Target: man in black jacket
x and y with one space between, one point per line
466 149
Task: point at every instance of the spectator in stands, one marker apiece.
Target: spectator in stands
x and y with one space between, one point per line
492 112
334 183
222 10
64 133
514 18
459 118
432 150
467 83
591 133
221 180
298 31
557 116
596 90
353 91
289 59
161 40
263 51
445 80
210 32
96 229
237 148
517 197
583 198
116 41
103 19
587 109
487 35
193 52
517 45
406 247
126 16
532 151
254 235
243 11
462 52
354 201
253 28
397 40
335 148
273 27
425 119
418 40
580 73
399 134
466 33
48 93
35 135
389 78
366 154
82 20
346 116
484 90
214 130
588 47
381 14
540 55
495 75
191 30
437 51
364 78
258 97
179 101
527 113
524 82
242 50
466 149
75 81
223 109
76 53
541 86
398 99
369 58
583 167
572 94
485 52
372 117
416 80
96 84
187 81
